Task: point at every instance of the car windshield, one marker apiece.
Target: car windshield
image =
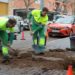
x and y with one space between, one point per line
66 20
58 16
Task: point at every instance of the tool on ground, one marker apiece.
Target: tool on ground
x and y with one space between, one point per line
16 52
30 28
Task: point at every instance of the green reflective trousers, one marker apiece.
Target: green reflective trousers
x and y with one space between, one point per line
4 40
39 37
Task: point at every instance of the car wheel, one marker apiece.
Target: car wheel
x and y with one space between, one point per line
71 33
50 35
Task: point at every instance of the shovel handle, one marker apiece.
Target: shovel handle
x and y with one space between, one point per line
29 27
11 48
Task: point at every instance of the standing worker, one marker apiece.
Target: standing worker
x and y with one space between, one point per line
39 19
6 24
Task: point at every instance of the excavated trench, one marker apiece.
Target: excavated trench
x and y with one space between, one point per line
51 60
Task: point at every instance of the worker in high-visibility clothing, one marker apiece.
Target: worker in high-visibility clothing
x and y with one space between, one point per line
39 19
6 24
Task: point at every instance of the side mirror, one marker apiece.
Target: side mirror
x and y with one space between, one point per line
73 23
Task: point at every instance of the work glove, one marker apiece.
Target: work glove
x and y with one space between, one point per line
40 25
31 33
38 28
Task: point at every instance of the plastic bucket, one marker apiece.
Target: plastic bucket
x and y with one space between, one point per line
72 43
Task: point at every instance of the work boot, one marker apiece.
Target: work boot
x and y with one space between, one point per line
42 47
40 50
34 46
41 53
5 59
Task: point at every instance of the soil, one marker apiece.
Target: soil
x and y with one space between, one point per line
25 60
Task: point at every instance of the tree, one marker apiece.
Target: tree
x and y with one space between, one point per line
73 7
27 4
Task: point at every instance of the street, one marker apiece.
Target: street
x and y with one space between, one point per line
27 43
26 66
20 56
52 42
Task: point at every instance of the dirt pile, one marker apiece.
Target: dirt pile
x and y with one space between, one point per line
51 60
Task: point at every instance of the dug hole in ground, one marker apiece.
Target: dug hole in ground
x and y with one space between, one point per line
54 62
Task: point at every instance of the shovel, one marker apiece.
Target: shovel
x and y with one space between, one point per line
16 52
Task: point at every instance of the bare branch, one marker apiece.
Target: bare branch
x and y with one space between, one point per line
26 3
31 2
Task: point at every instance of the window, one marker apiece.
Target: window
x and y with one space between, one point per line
37 1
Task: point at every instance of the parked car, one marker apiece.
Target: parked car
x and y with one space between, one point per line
58 16
62 26
25 24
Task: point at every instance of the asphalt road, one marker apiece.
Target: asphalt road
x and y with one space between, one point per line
6 70
24 45
27 43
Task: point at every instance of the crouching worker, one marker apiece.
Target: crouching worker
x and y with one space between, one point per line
6 24
39 19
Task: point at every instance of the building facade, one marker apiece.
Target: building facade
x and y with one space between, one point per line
18 7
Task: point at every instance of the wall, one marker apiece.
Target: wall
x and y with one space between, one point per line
19 4
15 4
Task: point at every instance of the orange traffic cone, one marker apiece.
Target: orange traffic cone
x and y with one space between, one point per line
70 71
22 36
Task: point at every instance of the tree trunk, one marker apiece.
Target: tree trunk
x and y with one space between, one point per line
27 4
73 7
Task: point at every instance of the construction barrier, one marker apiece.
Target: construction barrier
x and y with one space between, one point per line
72 43
22 37
70 71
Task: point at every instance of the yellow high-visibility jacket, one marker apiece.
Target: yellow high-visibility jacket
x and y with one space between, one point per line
37 17
3 21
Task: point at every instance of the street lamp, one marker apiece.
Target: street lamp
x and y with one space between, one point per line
41 4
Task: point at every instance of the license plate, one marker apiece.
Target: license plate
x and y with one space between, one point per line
55 30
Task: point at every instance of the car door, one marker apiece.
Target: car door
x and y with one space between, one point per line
73 27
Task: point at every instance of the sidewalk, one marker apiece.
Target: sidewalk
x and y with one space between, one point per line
59 44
